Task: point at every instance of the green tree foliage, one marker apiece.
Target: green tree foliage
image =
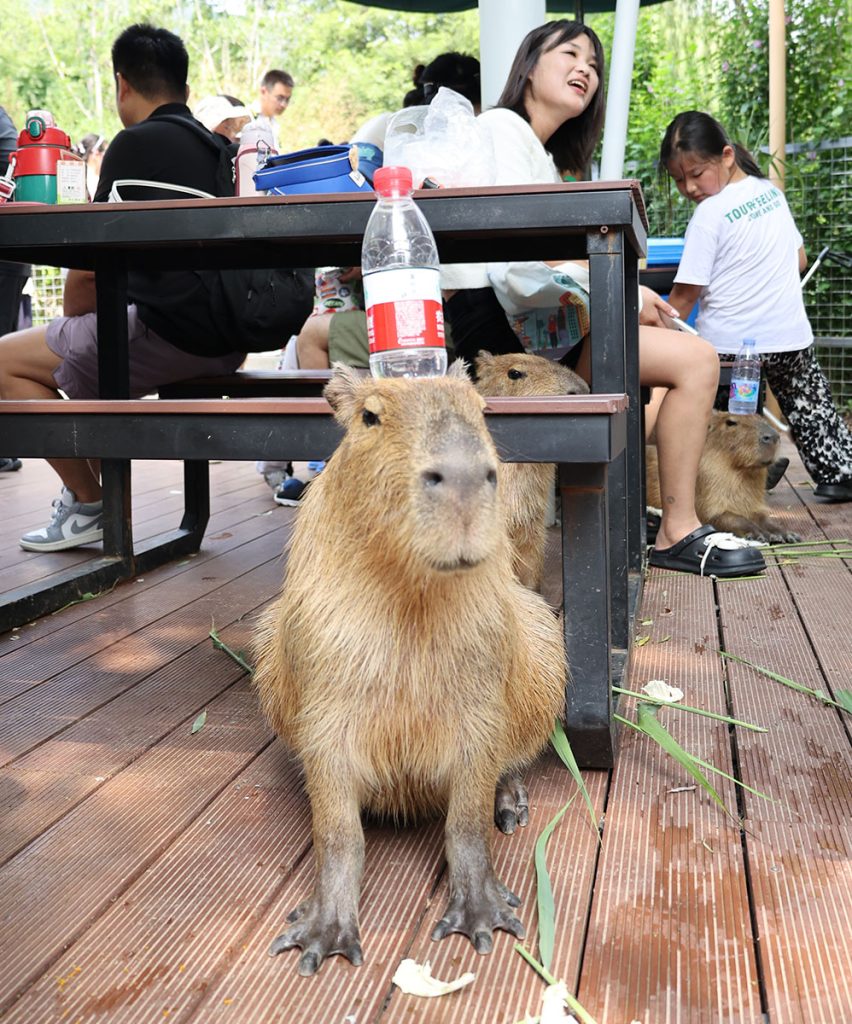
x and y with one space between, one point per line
349 62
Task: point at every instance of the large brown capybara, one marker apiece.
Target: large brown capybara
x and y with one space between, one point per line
404 663
527 486
731 489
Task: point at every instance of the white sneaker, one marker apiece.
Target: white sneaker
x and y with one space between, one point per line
72 525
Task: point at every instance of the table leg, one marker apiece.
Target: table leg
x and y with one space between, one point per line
586 574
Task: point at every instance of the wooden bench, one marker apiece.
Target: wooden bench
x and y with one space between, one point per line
582 434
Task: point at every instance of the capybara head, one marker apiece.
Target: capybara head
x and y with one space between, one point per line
521 374
416 473
748 442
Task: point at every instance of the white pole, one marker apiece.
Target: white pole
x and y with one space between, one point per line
618 93
502 26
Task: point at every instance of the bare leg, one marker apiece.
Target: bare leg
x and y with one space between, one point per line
26 372
312 343
479 902
689 368
327 922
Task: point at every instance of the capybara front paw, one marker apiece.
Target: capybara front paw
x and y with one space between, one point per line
511 804
477 915
319 935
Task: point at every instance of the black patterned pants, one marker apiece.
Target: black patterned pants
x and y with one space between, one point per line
816 427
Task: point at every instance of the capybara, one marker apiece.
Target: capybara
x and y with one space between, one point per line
527 486
404 663
731 489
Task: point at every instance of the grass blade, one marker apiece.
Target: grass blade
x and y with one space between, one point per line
544 890
792 684
220 646
736 781
686 707
562 747
579 1012
649 725
844 698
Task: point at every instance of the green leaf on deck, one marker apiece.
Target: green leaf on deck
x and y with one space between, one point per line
560 744
844 699
544 890
220 646
640 641
198 724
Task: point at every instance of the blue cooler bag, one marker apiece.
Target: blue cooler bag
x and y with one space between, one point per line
321 169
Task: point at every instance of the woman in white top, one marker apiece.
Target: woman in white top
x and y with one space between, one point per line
742 258
546 125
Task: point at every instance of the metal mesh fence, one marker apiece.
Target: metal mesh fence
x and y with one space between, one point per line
47 287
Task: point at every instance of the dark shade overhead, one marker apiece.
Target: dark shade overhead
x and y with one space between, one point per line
452 6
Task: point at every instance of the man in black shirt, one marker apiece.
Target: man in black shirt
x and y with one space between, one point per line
150 66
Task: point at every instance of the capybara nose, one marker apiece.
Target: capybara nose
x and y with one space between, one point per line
460 477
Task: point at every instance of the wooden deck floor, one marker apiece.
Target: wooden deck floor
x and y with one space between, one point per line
144 869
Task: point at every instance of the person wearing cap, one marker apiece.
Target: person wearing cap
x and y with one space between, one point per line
223 115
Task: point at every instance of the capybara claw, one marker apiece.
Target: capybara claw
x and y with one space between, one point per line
281 945
482 942
309 964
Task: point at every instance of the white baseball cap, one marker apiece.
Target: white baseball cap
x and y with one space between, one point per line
213 110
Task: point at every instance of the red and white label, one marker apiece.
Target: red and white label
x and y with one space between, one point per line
404 308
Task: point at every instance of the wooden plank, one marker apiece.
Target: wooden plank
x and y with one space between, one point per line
155 953
53 890
506 987
798 849
669 935
65 769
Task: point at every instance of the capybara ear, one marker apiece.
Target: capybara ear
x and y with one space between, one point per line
482 359
459 369
341 392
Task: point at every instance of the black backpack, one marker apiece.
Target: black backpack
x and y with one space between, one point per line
253 310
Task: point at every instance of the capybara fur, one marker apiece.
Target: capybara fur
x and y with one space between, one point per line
527 486
403 662
731 489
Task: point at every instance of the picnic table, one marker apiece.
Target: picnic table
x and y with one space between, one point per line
595 440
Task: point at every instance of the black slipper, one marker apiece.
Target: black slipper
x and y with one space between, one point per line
707 552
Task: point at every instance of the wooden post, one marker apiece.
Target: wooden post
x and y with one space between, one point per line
777 92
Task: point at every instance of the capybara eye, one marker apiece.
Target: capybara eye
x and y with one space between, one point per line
492 477
731 422
516 374
370 418
432 479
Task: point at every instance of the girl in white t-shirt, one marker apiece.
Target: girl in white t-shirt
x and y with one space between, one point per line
742 258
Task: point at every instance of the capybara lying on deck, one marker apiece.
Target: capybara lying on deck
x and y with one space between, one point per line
526 485
404 663
731 488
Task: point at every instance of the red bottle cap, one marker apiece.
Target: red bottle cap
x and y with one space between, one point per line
392 181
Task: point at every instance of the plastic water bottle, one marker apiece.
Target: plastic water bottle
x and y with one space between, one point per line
402 283
745 380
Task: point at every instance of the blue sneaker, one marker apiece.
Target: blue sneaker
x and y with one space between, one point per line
291 488
9 465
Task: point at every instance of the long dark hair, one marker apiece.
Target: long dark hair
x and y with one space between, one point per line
695 132
573 143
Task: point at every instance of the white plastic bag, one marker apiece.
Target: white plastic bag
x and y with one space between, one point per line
443 142
547 307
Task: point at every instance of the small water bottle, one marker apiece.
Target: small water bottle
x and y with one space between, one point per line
745 380
402 283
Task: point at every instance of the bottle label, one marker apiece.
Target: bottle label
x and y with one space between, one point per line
743 391
404 309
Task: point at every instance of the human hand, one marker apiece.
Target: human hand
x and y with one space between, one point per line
348 274
652 307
